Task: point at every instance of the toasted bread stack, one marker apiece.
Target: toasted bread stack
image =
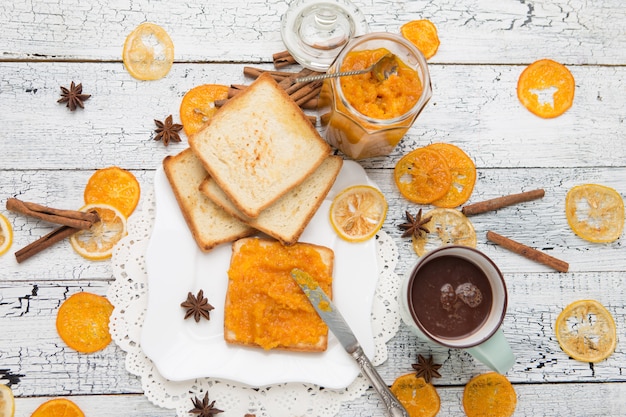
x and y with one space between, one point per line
208 223
260 163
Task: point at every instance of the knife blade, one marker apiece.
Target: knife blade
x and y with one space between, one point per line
328 312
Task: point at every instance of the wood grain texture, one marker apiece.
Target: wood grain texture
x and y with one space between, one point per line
473 106
475 31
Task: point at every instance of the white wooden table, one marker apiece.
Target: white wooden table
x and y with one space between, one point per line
47 153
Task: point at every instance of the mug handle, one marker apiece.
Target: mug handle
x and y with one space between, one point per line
494 352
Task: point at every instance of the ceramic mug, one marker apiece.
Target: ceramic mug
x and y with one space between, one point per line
455 296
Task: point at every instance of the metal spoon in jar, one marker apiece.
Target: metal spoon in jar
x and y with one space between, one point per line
382 69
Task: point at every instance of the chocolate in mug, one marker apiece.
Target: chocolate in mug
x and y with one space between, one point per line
455 296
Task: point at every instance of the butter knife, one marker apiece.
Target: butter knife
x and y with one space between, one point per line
336 323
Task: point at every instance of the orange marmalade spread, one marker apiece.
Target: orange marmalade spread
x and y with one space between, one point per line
386 99
265 306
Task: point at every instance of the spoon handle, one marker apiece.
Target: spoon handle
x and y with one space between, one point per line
330 75
393 406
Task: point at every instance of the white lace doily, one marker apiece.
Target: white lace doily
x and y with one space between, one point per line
128 293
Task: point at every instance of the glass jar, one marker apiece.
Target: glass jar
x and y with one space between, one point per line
354 133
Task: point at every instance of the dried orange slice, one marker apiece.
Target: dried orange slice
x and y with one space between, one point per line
546 88
97 243
419 398
586 331
446 227
463 173
83 322
489 395
7 401
58 407
148 52
595 212
197 106
114 186
422 34
6 234
358 212
422 176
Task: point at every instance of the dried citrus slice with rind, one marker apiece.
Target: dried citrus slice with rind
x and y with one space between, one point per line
148 52
113 186
358 212
7 401
58 407
83 322
419 398
586 331
98 242
463 171
422 175
595 212
423 34
546 88
489 395
6 234
446 227
198 106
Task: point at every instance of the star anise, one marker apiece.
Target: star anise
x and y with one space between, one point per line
415 225
197 306
426 368
167 130
73 96
203 408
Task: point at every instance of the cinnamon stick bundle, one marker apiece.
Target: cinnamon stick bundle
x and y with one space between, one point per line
304 94
528 252
72 218
500 202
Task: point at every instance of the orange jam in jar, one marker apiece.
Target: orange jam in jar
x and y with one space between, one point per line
264 305
364 117
386 99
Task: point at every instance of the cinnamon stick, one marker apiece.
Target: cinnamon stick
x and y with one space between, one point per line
289 81
44 242
312 104
256 72
71 218
499 202
528 252
283 59
313 93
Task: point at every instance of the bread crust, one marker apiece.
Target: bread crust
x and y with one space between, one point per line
208 223
287 218
259 146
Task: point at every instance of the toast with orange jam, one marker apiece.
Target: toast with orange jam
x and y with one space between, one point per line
264 306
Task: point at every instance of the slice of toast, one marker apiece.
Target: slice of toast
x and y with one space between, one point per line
264 306
209 224
286 219
259 146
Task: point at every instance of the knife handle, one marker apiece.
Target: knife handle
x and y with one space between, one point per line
394 407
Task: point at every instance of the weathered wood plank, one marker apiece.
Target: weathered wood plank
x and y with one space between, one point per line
32 352
540 224
475 107
533 399
491 31
36 360
136 405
